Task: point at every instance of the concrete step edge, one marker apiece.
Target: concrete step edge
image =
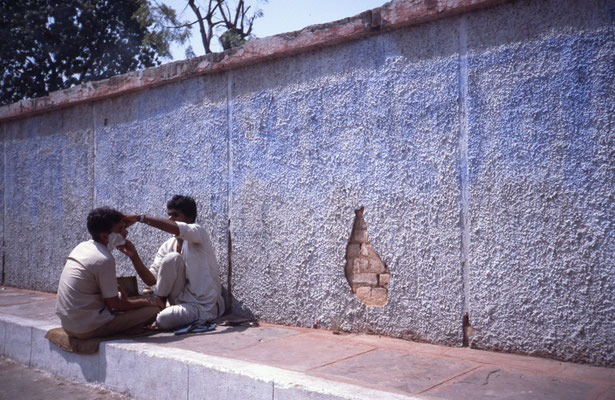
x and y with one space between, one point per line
146 371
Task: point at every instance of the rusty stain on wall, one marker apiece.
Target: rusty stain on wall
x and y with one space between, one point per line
367 275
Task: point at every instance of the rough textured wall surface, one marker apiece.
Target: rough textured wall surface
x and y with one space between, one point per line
48 191
315 137
541 181
480 145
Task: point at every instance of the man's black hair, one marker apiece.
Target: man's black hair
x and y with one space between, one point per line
185 204
101 220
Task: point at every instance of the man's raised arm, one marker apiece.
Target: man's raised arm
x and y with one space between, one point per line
159 223
130 250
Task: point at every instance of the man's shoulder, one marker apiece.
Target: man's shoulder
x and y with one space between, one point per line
198 227
91 253
190 231
192 226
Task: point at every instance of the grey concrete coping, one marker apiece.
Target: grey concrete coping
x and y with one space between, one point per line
392 15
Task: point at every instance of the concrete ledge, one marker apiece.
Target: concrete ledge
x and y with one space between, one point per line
146 371
393 15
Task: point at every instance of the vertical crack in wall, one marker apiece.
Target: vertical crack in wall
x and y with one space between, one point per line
367 275
463 166
468 330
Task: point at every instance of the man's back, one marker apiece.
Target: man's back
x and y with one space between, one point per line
87 278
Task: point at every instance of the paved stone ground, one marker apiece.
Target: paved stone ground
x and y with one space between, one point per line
20 382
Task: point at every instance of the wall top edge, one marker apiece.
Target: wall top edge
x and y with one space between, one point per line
390 16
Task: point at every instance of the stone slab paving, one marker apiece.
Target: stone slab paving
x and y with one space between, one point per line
498 383
222 341
28 304
279 362
301 352
11 296
405 372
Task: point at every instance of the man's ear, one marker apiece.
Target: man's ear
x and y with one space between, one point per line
103 237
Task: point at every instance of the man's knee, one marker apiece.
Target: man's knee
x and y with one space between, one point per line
176 316
164 321
167 320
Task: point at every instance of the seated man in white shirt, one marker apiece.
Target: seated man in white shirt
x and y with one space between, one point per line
87 302
185 271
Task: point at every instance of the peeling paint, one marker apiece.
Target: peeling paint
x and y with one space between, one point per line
365 272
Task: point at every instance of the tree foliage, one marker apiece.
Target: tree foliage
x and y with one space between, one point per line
157 17
50 45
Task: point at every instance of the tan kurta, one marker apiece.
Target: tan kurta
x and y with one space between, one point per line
87 279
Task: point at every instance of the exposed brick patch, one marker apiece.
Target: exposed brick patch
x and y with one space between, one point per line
393 15
367 275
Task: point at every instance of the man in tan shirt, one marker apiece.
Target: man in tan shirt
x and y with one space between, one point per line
87 302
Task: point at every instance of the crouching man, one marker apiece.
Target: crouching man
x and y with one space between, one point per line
87 302
185 271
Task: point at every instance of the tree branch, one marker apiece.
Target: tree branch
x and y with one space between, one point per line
205 38
181 26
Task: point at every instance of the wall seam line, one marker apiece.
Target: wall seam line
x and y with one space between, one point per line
31 345
229 180
188 382
102 350
93 192
463 160
4 199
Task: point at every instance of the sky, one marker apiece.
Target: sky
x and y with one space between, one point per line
279 16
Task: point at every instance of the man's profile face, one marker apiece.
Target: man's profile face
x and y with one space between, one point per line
120 228
177 215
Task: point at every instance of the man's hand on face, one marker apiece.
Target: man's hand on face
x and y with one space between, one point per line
129 249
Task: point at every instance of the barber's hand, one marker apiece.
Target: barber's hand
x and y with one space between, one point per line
123 294
130 219
156 301
129 249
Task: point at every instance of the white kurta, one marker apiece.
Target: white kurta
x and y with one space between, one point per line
202 272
